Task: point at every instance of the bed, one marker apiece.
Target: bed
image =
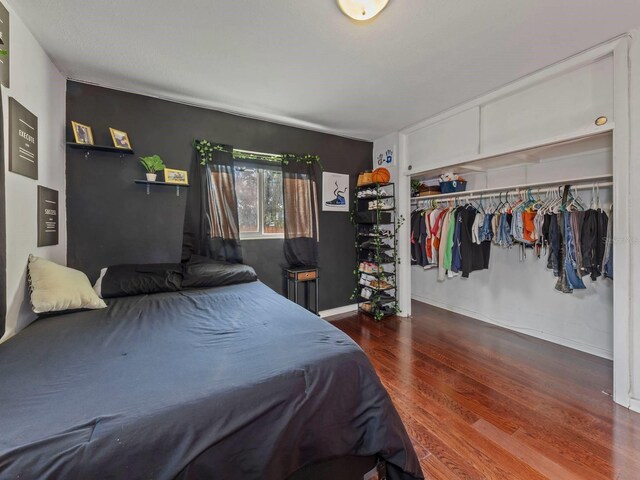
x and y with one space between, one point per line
233 382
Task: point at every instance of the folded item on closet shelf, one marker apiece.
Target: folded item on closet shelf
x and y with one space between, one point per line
366 293
450 177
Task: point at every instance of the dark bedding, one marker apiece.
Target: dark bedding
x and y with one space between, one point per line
234 382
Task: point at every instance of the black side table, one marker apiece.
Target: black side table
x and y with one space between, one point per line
305 275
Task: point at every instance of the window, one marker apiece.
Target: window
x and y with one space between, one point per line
260 202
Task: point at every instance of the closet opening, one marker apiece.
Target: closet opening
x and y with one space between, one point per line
526 246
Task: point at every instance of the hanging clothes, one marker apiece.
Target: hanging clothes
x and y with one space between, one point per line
457 240
607 260
594 236
474 256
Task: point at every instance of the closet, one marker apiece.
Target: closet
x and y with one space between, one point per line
517 148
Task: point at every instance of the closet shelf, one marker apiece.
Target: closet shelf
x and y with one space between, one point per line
583 182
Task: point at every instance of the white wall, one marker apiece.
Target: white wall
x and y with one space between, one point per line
520 295
634 227
380 146
38 85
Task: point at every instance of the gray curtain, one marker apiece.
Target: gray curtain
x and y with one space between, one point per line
300 214
211 220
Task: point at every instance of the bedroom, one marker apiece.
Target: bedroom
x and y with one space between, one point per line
200 168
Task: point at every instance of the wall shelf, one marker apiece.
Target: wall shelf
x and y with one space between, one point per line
161 184
100 148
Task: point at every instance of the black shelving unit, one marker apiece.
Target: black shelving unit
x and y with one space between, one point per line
99 148
376 243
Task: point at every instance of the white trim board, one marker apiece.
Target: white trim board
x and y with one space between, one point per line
566 342
339 310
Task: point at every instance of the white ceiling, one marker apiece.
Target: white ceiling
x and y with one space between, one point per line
303 63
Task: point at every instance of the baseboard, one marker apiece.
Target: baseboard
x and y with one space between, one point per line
599 352
634 404
339 310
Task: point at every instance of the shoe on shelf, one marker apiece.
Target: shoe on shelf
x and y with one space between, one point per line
368 267
380 284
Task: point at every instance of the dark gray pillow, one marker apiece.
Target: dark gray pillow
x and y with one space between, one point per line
202 272
127 280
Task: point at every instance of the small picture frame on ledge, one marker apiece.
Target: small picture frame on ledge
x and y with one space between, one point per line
176 177
82 133
120 139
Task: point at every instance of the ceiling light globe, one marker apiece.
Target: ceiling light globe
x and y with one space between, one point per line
362 9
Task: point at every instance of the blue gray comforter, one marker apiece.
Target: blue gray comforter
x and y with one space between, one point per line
227 383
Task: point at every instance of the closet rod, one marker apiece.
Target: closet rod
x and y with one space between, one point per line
592 181
522 190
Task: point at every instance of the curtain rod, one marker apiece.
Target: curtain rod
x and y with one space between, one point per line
495 191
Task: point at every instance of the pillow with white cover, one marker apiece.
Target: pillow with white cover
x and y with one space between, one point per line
55 288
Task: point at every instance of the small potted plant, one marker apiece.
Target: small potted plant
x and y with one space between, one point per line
152 165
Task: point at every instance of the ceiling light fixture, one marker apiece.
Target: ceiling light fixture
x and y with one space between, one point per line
362 9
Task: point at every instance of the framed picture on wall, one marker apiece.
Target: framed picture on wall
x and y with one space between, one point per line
335 192
82 133
120 139
178 177
47 216
5 73
23 140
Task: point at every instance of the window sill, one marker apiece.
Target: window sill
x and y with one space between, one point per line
261 237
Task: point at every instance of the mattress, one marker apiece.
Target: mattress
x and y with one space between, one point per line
233 382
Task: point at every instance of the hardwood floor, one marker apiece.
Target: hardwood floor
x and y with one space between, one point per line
482 402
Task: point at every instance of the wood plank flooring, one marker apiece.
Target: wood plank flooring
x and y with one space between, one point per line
482 402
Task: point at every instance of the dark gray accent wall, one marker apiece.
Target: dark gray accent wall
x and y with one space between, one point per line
110 220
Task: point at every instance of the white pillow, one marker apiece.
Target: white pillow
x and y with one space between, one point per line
55 288
98 285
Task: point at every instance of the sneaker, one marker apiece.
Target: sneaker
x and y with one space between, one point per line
380 284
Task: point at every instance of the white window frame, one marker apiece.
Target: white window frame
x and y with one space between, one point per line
260 234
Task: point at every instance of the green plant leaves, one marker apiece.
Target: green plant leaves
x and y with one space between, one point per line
153 163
